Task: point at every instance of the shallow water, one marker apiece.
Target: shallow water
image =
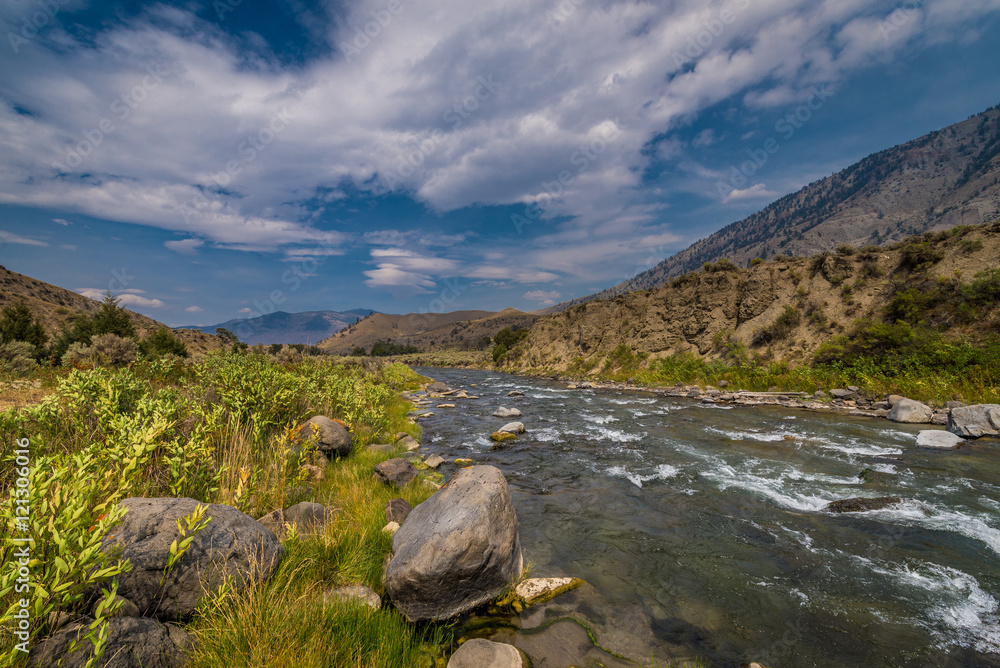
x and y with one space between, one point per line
703 532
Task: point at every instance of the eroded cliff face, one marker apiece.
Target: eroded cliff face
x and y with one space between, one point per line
702 312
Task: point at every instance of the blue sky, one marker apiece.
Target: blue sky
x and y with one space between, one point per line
211 160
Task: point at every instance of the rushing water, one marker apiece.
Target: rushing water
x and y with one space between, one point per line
702 528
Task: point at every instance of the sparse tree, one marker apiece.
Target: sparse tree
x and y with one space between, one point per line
18 323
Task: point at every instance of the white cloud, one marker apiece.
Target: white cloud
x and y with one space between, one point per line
127 298
542 297
704 138
194 309
61 221
606 78
185 246
11 238
245 310
69 247
756 191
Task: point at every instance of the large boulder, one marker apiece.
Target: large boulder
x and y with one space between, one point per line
975 421
133 642
397 472
330 436
505 412
437 386
938 438
458 549
232 544
908 410
482 653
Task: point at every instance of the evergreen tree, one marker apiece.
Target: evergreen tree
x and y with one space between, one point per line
112 319
18 323
162 342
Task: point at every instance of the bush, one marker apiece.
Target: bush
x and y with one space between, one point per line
288 355
725 264
780 329
114 350
386 348
918 255
757 260
78 353
162 342
509 337
17 358
499 351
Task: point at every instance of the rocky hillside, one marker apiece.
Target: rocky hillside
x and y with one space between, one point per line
467 330
785 308
946 178
307 327
54 306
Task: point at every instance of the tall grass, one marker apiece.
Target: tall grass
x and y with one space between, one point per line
219 432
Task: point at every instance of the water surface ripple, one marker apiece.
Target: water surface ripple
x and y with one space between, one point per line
703 528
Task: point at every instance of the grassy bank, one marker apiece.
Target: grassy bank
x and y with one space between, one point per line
219 432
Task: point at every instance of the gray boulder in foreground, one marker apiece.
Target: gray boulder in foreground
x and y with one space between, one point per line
331 437
457 550
133 642
482 653
233 544
938 438
513 428
975 421
908 410
396 472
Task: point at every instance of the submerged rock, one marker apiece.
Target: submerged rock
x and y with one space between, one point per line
515 393
458 549
502 436
908 410
937 438
539 590
482 653
975 421
862 504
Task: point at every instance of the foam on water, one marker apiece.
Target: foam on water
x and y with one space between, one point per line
750 435
547 435
663 471
631 400
599 419
925 514
757 478
616 435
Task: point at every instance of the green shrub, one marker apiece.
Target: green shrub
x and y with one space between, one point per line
18 323
17 358
846 250
757 260
919 255
114 350
162 342
780 329
499 351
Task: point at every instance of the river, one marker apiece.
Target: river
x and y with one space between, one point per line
702 533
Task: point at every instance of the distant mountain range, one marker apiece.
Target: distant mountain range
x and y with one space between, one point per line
946 178
308 327
470 330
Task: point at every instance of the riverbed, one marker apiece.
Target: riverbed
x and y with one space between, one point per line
702 533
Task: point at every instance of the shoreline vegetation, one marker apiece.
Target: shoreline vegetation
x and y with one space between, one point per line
218 431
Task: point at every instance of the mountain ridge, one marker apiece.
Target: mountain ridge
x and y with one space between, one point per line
945 178
309 327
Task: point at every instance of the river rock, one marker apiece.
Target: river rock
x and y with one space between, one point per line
446 405
232 544
408 442
133 642
893 399
862 504
331 437
723 383
382 447
396 472
937 438
396 510
539 590
313 473
975 421
820 394
307 516
843 394
515 393
512 428
939 418
458 549
354 594
437 386
877 477
948 405
434 461
482 653
908 410
571 386
504 412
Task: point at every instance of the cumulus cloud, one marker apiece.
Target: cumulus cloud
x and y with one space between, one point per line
455 105
542 297
61 221
756 191
127 298
194 309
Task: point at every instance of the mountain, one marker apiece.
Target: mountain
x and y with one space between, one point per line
784 308
946 178
428 331
308 327
54 306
